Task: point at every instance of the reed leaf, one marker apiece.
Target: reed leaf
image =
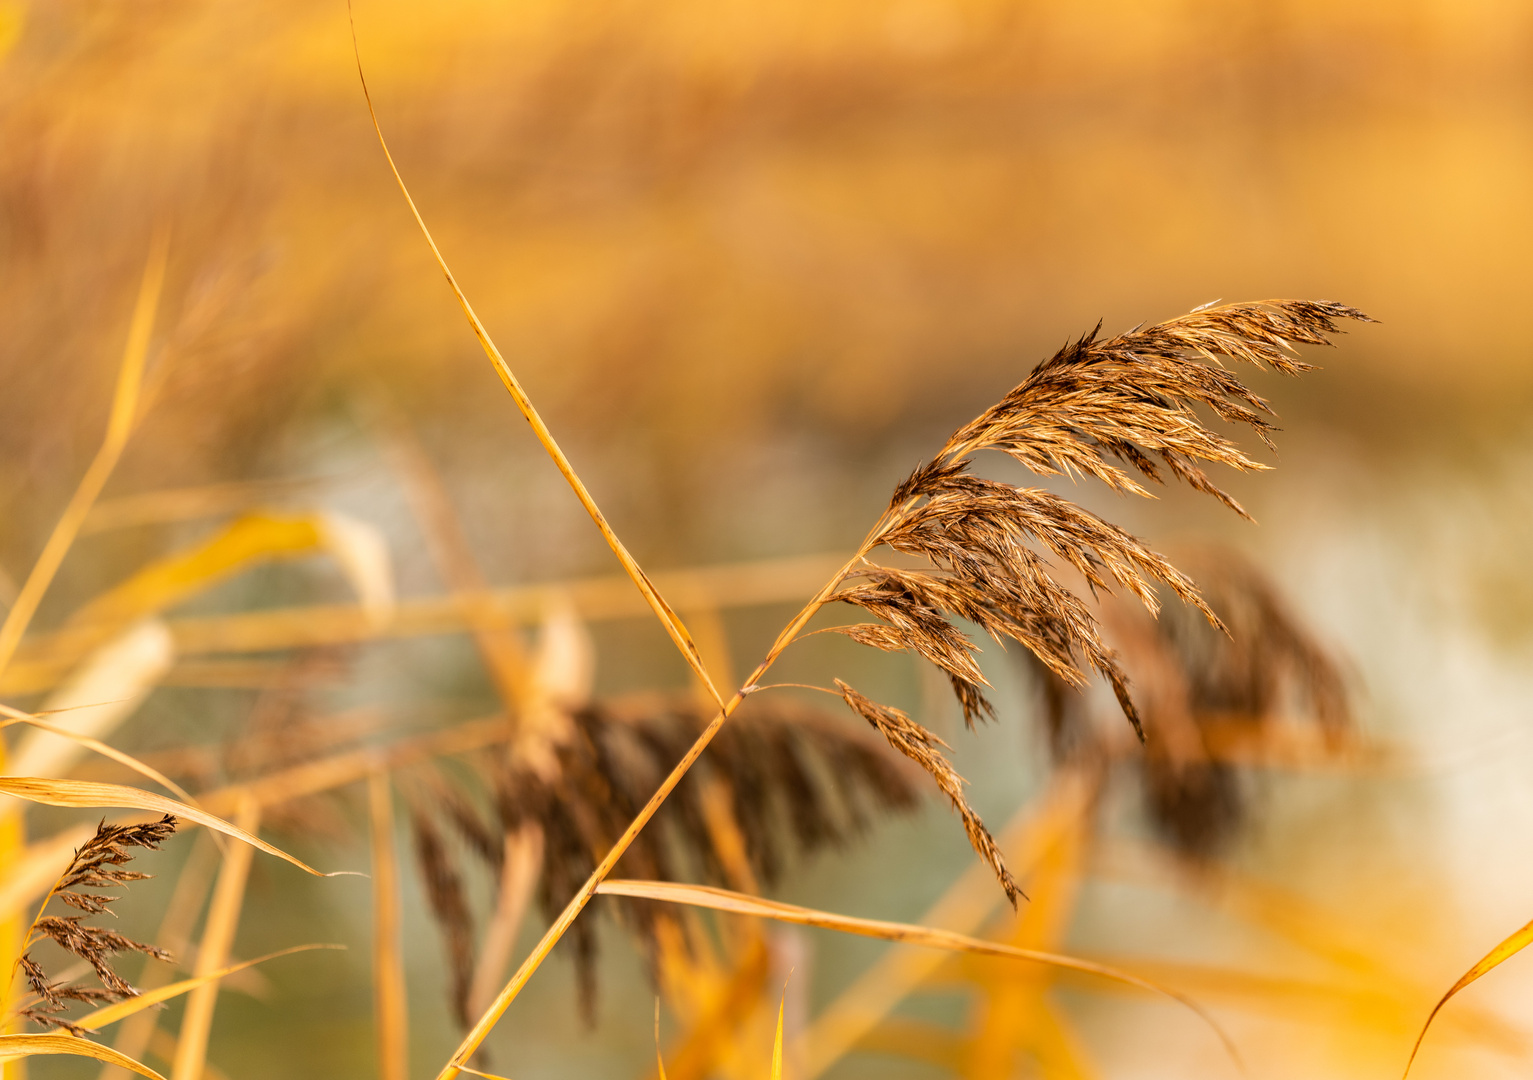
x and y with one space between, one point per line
757 907
121 1010
1504 951
25 1046
89 794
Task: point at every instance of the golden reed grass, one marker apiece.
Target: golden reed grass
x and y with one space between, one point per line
1125 410
1095 408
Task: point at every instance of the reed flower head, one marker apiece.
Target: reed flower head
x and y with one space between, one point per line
991 551
99 863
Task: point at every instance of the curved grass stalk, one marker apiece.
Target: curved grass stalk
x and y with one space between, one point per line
740 904
1504 951
16 716
663 611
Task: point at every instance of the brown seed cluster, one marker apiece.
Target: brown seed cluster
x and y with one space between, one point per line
1096 408
925 749
98 864
782 768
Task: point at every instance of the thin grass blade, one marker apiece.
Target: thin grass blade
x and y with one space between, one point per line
1503 952
87 794
25 1046
663 611
124 1009
740 904
777 1040
16 716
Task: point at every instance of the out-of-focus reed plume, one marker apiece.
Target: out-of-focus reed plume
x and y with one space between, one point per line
784 768
1213 699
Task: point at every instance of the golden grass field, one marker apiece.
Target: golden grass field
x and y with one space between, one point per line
1045 765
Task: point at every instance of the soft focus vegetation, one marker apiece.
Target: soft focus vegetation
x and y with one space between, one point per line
283 561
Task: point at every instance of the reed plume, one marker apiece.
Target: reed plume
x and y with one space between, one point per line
99 863
1099 407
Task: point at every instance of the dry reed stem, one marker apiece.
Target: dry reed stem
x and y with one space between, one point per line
217 937
391 1015
123 1010
42 660
16 716
668 618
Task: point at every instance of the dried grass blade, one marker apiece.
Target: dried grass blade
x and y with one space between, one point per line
24 1046
1503 952
739 904
217 936
777 1040
16 716
87 794
659 1060
663 611
124 1009
43 659
257 537
390 1004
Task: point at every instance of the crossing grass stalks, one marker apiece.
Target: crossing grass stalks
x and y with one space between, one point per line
1203 658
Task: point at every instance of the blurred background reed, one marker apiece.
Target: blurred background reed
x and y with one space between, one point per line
754 262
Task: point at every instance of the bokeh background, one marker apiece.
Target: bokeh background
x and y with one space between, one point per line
753 262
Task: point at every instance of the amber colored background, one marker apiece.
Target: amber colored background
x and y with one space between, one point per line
752 261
